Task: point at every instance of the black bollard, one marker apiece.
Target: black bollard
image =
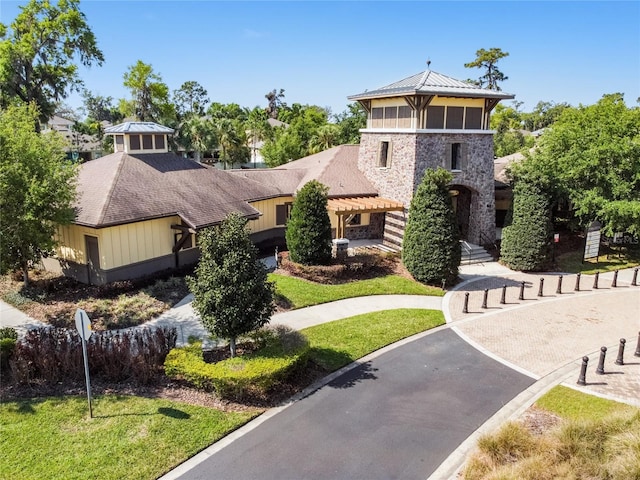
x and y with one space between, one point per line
541 287
559 289
614 283
577 287
465 309
484 299
503 298
595 281
620 359
582 379
637 353
603 353
634 282
521 296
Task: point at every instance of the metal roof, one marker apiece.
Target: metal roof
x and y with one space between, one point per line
431 83
138 127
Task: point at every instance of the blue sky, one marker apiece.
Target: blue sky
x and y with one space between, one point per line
321 52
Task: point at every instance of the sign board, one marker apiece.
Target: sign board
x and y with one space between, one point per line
592 244
556 238
83 324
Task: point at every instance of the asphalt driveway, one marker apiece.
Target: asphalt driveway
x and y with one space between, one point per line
398 416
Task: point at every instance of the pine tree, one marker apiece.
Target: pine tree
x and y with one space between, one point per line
431 245
308 232
230 287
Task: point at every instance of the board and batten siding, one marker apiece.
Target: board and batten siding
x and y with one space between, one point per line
119 245
267 220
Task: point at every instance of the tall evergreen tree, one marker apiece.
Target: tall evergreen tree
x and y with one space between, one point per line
431 245
230 288
308 232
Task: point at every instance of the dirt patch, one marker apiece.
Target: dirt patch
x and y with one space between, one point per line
539 421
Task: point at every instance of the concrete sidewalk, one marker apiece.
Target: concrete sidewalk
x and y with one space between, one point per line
12 317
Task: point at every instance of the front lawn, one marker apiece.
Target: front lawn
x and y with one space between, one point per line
128 438
298 293
572 262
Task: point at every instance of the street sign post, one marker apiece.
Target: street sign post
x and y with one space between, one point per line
592 243
83 324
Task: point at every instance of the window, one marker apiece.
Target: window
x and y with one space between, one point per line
435 117
384 154
119 143
454 117
354 219
134 142
404 117
456 156
376 117
283 212
390 117
159 142
473 118
147 142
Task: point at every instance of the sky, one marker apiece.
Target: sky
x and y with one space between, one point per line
320 52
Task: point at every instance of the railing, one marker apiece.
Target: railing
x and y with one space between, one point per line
484 240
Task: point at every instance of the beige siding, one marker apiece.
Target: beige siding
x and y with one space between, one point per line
267 220
364 219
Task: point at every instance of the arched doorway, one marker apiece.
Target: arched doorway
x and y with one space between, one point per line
461 199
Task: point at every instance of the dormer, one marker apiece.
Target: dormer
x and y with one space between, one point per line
139 137
429 101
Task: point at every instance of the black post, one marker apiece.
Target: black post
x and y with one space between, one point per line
503 298
603 353
465 309
582 379
637 353
559 289
521 296
595 281
634 282
614 283
620 359
541 287
577 287
484 299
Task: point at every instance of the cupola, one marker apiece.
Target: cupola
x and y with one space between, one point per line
139 137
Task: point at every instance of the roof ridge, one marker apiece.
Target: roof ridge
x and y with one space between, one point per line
423 80
109 196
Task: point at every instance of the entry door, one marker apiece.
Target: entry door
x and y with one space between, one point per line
93 259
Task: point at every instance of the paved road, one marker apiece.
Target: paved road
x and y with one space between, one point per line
398 415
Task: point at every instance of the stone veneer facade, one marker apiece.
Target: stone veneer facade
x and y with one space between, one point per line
412 153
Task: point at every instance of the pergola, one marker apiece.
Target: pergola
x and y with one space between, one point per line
346 208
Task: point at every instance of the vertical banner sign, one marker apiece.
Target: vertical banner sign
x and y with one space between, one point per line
592 244
83 324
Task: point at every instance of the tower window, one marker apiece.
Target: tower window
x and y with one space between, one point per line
159 142
134 142
456 156
384 154
147 142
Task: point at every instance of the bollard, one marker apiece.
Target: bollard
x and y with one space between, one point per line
503 298
620 359
484 299
614 283
465 309
559 289
541 287
521 296
634 282
577 287
637 353
603 353
595 281
582 379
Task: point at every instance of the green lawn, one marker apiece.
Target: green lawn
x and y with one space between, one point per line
128 438
302 293
574 405
572 263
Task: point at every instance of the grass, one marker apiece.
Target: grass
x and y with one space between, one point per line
596 439
339 343
128 438
572 262
302 293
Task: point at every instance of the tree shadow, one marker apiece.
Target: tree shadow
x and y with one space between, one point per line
174 413
354 376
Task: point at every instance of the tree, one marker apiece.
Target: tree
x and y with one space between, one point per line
526 243
258 129
487 60
592 156
276 102
232 141
150 101
37 189
308 232
98 108
197 134
37 54
326 136
350 122
431 245
230 288
190 99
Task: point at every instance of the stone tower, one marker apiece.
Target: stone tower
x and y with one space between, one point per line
425 121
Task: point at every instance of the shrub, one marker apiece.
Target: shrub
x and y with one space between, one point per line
308 231
8 338
431 245
283 351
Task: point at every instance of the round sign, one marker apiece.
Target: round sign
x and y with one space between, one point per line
83 324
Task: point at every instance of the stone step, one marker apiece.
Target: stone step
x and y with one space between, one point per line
472 254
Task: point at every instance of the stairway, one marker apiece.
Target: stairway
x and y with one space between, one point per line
473 254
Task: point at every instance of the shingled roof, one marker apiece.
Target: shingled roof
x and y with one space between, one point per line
337 168
123 188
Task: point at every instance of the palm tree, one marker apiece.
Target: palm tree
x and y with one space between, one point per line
197 134
326 136
231 140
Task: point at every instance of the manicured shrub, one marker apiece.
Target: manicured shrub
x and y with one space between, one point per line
308 231
8 338
526 243
283 351
431 245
